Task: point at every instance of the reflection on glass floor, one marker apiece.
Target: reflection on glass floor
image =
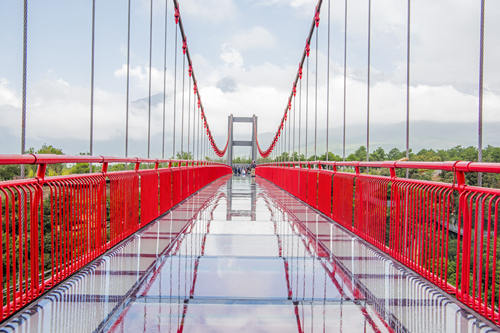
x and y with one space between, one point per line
243 255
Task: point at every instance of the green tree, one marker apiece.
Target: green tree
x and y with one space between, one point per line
358 155
9 172
184 156
52 169
395 154
378 155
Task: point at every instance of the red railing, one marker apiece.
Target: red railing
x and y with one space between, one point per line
53 226
446 232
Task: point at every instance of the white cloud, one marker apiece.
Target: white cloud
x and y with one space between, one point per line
255 38
7 94
231 57
291 3
214 11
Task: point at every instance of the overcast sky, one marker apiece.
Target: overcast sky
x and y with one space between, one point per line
245 55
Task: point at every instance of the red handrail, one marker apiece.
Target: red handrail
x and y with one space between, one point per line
417 222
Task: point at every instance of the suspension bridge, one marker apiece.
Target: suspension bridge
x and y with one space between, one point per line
160 244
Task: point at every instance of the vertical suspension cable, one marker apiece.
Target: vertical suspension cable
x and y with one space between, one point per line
289 121
316 98
194 117
307 102
150 63
480 102
189 117
345 78
368 81
294 124
300 114
408 87
24 83
408 84
164 82
198 132
182 103
328 83
175 89
92 56
127 98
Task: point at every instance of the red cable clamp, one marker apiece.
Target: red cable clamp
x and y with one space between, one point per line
300 72
294 90
316 18
184 46
195 88
190 71
177 15
308 49
199 105
289 106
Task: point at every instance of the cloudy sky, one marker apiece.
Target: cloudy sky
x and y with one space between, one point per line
245 55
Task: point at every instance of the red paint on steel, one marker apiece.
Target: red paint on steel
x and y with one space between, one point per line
53 226
325 192
414 221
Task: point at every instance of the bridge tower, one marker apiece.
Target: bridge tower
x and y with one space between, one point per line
253 143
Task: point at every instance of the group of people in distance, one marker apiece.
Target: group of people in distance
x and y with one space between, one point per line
242 171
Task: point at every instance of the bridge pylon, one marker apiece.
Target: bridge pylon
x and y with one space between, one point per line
253 143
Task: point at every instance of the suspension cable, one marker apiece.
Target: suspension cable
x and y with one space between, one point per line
183 89
198 135
150 64
316 96
128 82
175 81
300 111
164 81
189 113
480 102
408 82
92 57
25 67
24 84
368 82
328 83
194 116
408 85
265 153
294 124
289 121
345 76
307 100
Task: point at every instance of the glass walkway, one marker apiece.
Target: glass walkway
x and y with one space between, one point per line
243 255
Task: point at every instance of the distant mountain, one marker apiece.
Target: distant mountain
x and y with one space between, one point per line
143 102
424 134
